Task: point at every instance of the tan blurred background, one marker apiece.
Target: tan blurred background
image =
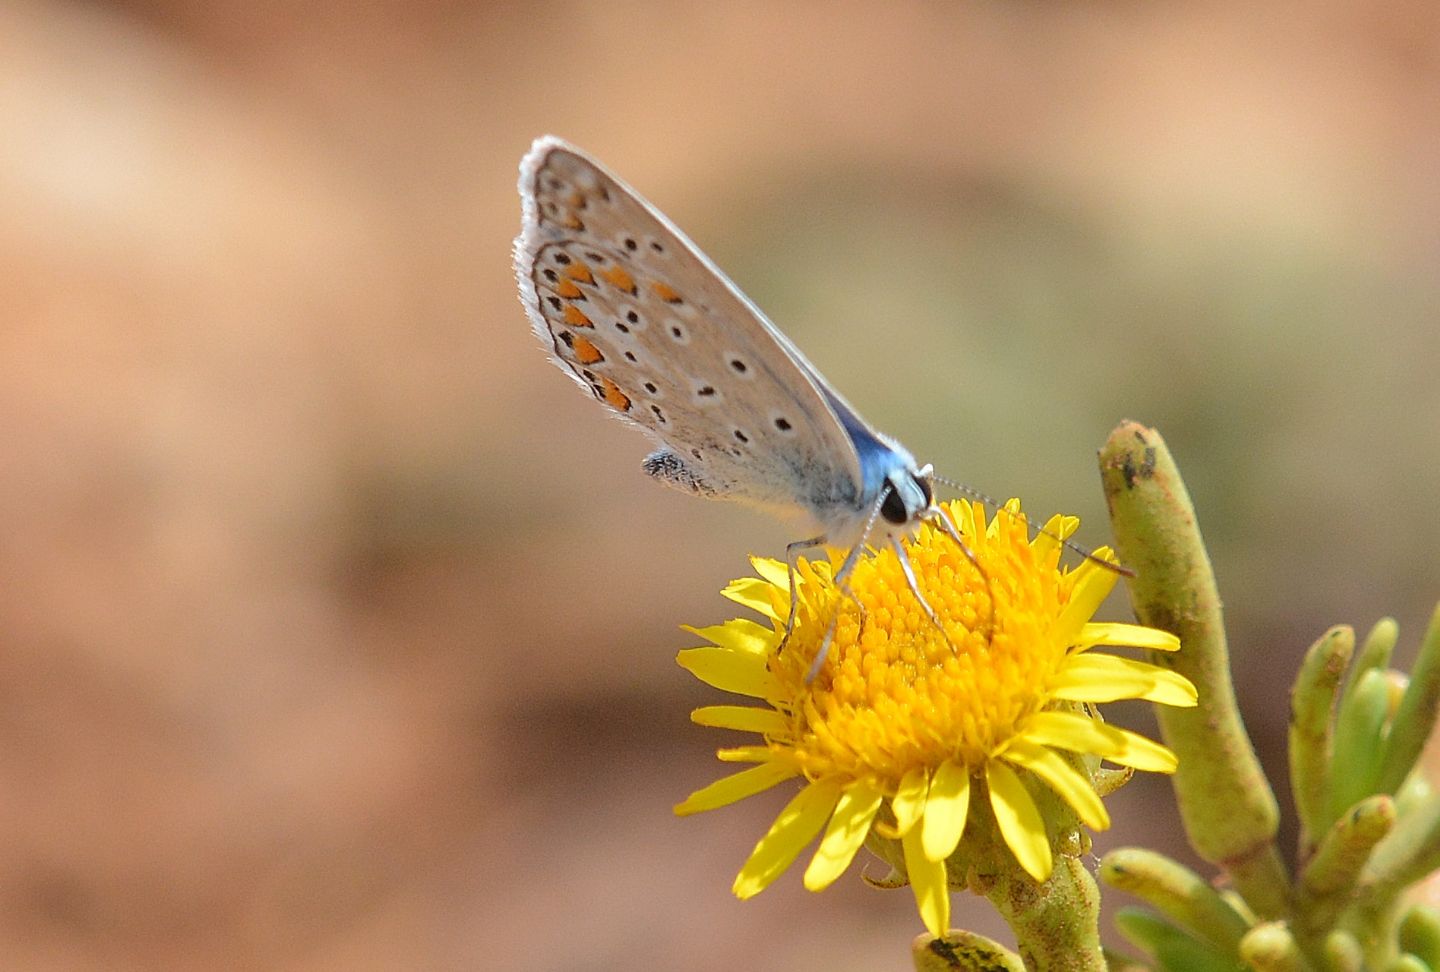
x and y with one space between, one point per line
337 630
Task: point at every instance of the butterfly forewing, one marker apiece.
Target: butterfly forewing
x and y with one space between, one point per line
640 318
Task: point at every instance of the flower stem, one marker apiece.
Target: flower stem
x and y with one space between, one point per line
1228 807
1056 922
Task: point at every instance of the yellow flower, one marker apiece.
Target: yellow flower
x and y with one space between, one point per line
901 722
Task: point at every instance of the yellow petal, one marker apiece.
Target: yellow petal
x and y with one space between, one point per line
1019 820
753 593
744 718
730 671
819 570
736 786
927 880
1059 527
1092 585
1127 635
740 634
1061 777
945 811
1096 677
848 826
1047 540
909 800
1080 734
796 826
1009 508
745 754
963 514
773 571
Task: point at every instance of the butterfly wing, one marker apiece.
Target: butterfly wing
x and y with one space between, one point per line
636 314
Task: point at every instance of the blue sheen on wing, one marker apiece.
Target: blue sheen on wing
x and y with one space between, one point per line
878 459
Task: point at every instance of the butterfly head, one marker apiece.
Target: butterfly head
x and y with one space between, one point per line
908 497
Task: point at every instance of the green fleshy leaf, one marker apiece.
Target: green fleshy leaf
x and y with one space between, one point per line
1420 934
962 950
1416 716
1312 704
1375 653
1271 947
1174 950
1359 742
1180 894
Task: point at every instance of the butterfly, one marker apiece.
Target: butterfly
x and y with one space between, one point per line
648 325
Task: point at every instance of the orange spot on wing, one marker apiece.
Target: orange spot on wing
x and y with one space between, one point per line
587 353
575 317
665 292
571 221
620 279
614 397
568 290
579 271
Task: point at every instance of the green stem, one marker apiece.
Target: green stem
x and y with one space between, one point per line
1227 805
1056 922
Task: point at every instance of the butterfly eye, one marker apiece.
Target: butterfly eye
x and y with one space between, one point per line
892 508
924 483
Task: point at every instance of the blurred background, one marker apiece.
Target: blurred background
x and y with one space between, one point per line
337 631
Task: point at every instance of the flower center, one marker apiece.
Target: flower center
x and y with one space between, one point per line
894 693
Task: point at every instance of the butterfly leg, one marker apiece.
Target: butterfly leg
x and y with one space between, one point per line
947 526
792 551
842 581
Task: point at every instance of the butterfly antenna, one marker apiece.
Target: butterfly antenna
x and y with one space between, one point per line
1089 555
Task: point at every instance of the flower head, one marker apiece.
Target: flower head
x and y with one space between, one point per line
902 721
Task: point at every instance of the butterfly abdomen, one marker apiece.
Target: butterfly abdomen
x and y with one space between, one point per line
668 468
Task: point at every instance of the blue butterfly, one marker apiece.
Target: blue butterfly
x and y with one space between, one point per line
647 324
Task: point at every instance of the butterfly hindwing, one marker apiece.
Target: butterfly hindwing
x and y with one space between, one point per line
651 328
